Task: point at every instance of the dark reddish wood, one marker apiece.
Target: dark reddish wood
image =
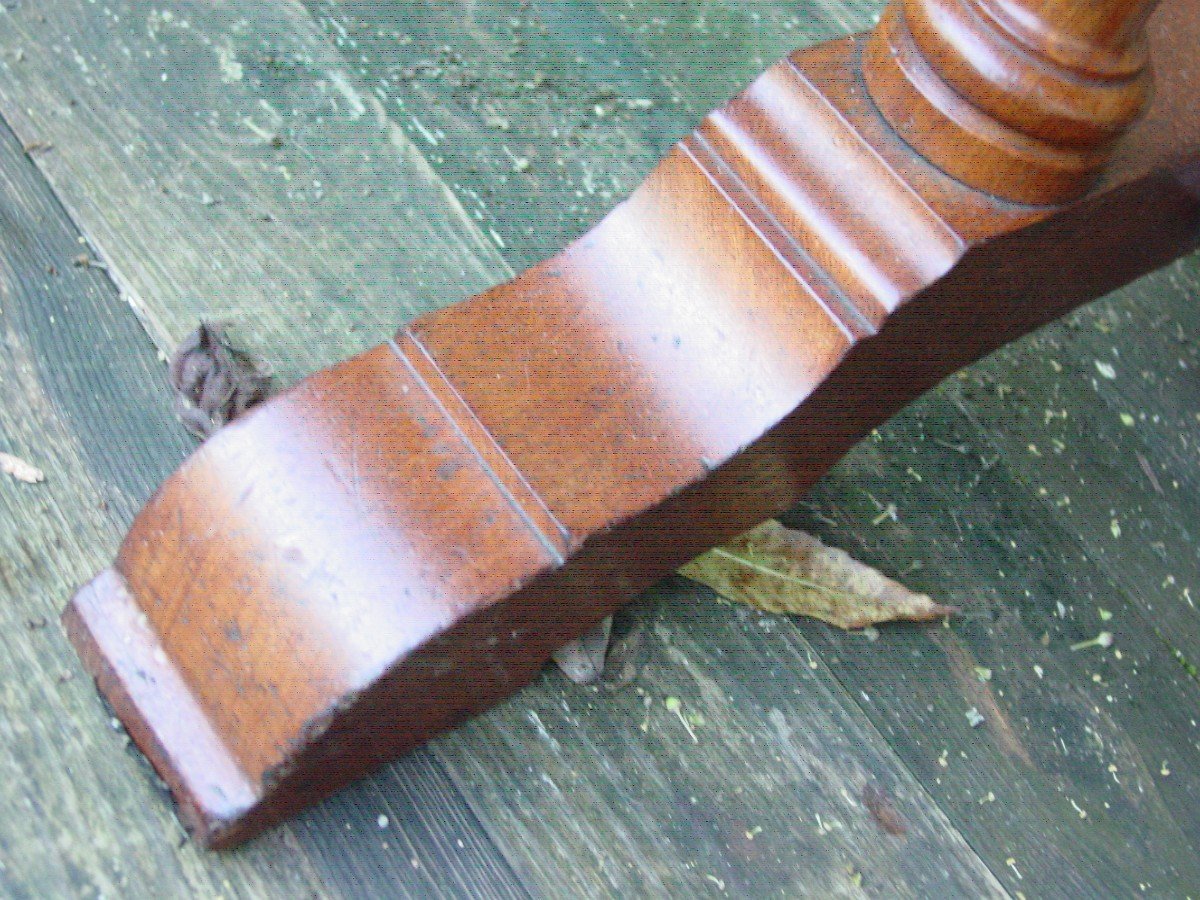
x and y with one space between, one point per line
1023 98
400 541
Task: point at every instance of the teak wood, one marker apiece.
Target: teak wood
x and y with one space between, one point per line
400 541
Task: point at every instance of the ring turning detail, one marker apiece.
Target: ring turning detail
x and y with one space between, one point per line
1023 98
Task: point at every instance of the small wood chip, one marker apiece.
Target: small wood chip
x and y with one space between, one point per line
582 660
85 261
1149 473
21 470
883 810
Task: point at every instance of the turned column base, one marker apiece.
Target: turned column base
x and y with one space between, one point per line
958 137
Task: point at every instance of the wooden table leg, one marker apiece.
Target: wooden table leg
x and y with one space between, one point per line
400 541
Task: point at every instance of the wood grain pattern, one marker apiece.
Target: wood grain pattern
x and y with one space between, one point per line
84 393
65 768
567 839
208 183
687 350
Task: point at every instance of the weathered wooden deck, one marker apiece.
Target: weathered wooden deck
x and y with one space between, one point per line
316 173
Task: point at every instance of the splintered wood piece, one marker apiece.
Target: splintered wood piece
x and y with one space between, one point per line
402 540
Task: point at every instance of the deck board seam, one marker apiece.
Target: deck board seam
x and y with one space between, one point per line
854 708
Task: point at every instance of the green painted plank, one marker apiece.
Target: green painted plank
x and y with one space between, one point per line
80 815
734 764
1119 467
708 51
541 116
226 163
1032 783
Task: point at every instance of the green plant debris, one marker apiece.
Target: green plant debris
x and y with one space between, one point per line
675 705
1103 639
1188 665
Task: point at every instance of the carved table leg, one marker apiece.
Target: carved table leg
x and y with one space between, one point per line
1023 98
401 541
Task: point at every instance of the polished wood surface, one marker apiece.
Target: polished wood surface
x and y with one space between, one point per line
1022 98
401 540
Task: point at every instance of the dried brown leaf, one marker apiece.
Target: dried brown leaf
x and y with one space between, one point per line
214 382
20 469
780 570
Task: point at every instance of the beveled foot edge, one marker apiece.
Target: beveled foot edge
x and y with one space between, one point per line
122 653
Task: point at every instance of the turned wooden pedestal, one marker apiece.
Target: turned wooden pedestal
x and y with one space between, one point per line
401 541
